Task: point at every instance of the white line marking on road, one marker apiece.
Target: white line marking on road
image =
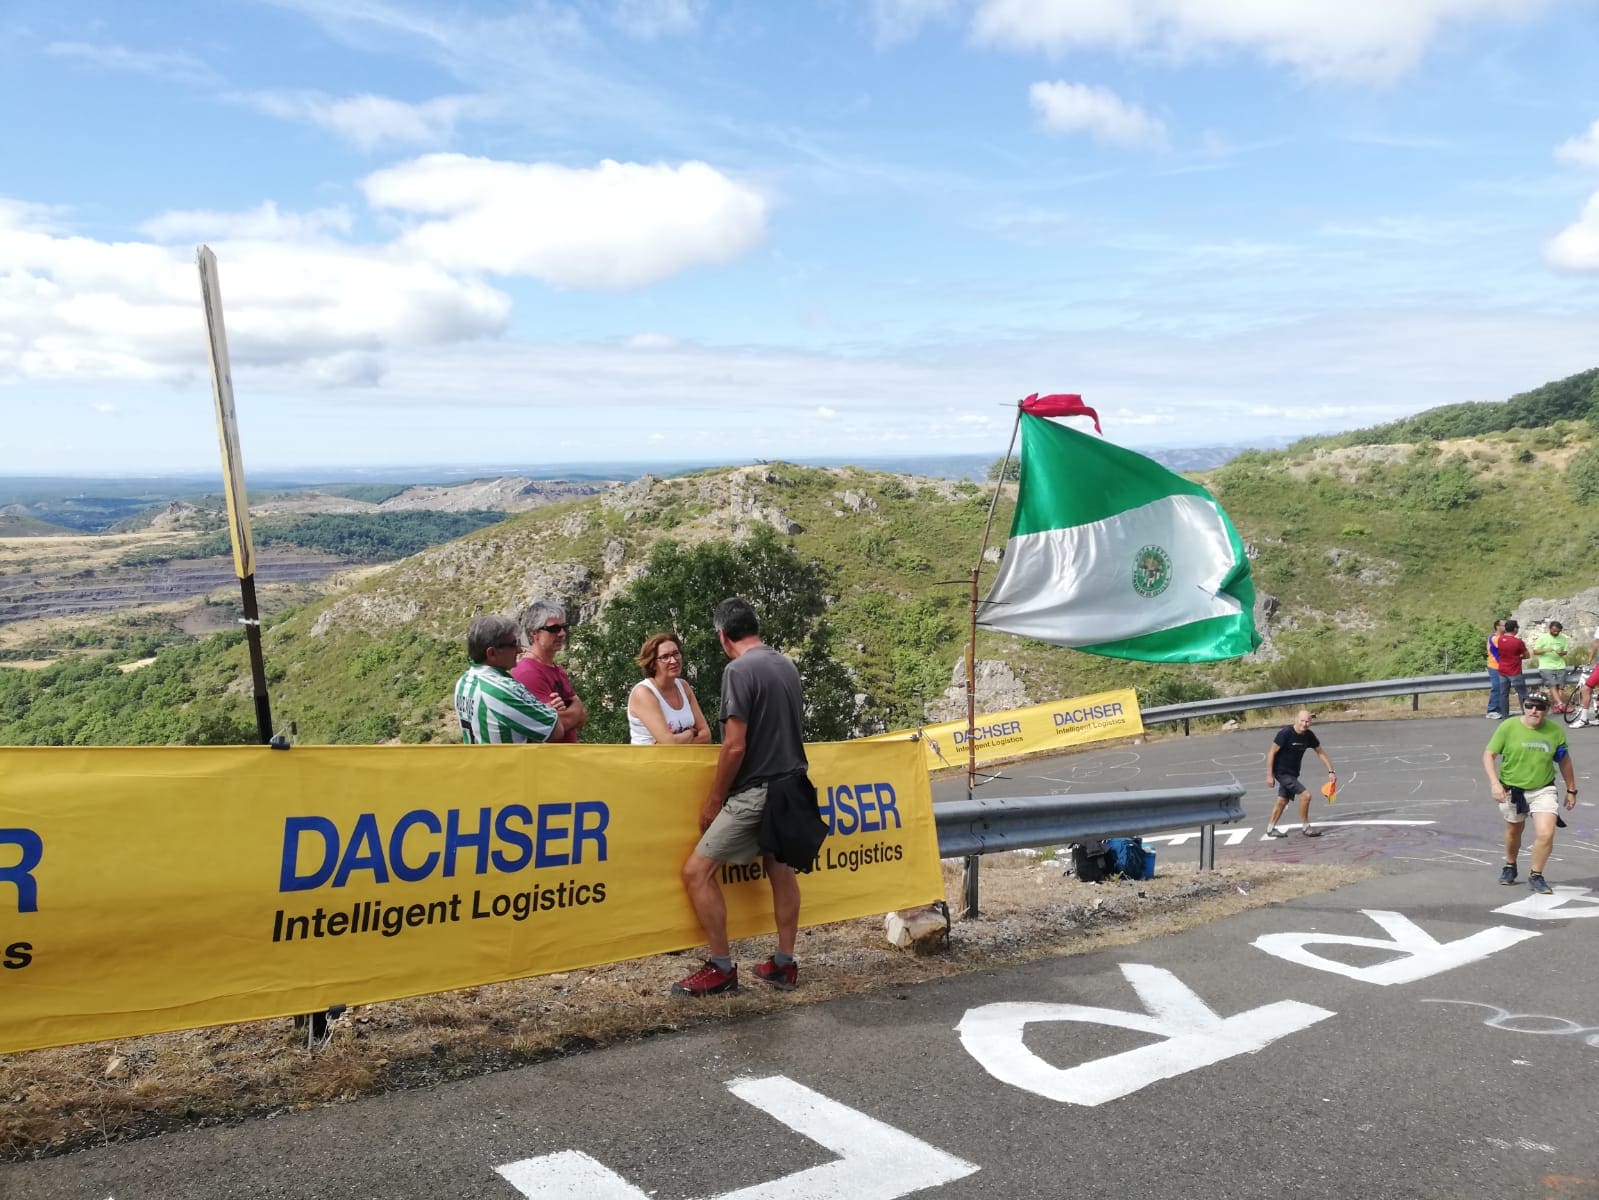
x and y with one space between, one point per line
1554 908
567 1174
1236 835
875 1160
1193 1036
1421 954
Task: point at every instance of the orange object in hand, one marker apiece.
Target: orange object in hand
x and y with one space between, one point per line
1330 790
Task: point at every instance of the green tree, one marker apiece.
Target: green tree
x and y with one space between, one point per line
1582 476
1012 469
680 587
1439 646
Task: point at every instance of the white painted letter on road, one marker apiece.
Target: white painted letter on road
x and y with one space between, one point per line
875 1161
1567 904
1420 953
1192 1036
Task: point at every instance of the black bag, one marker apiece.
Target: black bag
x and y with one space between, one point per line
1090 861
792 829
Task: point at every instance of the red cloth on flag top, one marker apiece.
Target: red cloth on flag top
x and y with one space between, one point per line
1062 404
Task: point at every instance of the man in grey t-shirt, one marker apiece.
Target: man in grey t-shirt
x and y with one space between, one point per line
762 740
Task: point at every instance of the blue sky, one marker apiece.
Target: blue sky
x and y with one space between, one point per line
690 229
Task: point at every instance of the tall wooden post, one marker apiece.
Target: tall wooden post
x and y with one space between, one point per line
233 483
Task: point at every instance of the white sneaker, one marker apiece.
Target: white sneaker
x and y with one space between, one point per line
1584 717
1495 716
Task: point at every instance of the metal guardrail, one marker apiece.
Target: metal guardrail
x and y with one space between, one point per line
970 828
1415 688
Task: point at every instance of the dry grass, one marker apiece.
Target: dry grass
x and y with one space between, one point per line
53 1101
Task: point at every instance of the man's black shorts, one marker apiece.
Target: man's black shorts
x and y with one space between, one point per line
1288 786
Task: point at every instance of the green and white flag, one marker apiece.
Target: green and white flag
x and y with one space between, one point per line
1112 554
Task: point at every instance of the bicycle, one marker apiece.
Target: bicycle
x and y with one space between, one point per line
1566 697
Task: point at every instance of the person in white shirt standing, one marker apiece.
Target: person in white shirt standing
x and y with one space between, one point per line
662 709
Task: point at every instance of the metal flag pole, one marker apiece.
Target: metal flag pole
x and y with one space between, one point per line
970 878
233 483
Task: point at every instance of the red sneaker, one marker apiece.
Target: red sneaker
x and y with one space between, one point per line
784 979
709 980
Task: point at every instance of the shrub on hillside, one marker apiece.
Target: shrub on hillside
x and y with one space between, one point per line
1440 646
1307 668
1582 476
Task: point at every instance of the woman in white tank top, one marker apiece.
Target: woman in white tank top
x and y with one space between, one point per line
662 709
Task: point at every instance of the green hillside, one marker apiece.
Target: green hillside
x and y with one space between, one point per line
16 521
1372 559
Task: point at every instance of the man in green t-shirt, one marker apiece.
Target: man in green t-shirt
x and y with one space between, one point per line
1529 748
1551 648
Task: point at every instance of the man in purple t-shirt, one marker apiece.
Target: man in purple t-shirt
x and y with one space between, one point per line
539 673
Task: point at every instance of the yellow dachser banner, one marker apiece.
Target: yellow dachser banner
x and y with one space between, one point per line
151 889
1038 729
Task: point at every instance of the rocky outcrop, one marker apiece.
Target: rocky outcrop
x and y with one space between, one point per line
1579 614
180 515
363 611
857 501
513 494
998 689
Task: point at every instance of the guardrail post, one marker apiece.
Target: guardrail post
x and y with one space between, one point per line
1415 701
1185 726
1207 847
972 861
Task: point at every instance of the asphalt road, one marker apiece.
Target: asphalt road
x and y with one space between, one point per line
1425 1033
1410 791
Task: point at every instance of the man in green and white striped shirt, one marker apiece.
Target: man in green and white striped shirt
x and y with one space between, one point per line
491 705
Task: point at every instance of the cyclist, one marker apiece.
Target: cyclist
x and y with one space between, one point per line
1585 714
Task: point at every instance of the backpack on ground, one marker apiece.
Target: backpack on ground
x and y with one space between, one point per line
1126 857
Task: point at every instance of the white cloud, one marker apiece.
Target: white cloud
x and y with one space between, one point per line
1096 111
1152 388
1373 41
613 227
265 223
324 311
825 413
1584 150
171 65
369 121
74 307
648 19
1576 247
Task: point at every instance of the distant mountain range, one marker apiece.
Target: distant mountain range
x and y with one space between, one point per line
91 505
